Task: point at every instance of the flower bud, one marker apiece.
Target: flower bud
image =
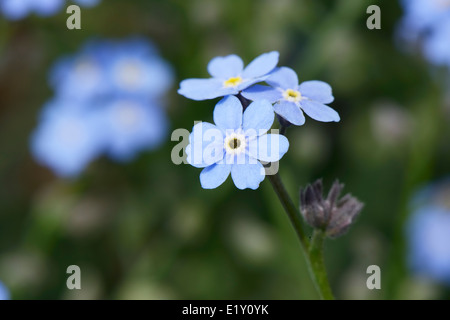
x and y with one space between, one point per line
332 215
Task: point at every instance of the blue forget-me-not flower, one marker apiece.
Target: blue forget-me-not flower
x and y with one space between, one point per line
108 101
67 138
136 68
4 292
82 76
132 66
235 144
427 22
229 76
420 15
19 9
87 3
428 233
291 99
133 124
436 46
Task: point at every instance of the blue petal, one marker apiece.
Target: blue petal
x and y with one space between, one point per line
47 7
67 141
427 232
290 111
261 65
319 111
317 90
258 116
270 147
248 175
4 292
228 113
15 9
151 75
436 46
284 78
249 82
205 145
259 92
204 89
87 3
133 125
225 67
213 176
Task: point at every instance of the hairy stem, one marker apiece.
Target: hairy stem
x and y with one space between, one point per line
317 265
314 251
290 208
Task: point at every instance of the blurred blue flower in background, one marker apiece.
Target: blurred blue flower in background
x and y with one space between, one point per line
19 9
87 3
292 99
133 124
229 76
427 22
67 139
132 66
137 69
428 232
420 15
81 76
4 292
108 100
437 45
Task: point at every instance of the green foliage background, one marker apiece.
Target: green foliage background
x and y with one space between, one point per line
146 230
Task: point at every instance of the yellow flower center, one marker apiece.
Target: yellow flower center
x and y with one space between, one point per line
234 143
232 82
292 95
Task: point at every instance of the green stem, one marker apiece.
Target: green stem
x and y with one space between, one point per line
283 130
314 251
290 209
317 265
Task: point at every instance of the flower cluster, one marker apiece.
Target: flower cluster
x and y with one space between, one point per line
428 22
238 142
428 232
108 100
19 9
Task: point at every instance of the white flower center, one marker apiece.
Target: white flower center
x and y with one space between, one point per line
87 70
127 115
72 133
235 143
292 95
444 4
129 74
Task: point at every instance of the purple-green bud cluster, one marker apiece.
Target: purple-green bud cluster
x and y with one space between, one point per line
330 214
